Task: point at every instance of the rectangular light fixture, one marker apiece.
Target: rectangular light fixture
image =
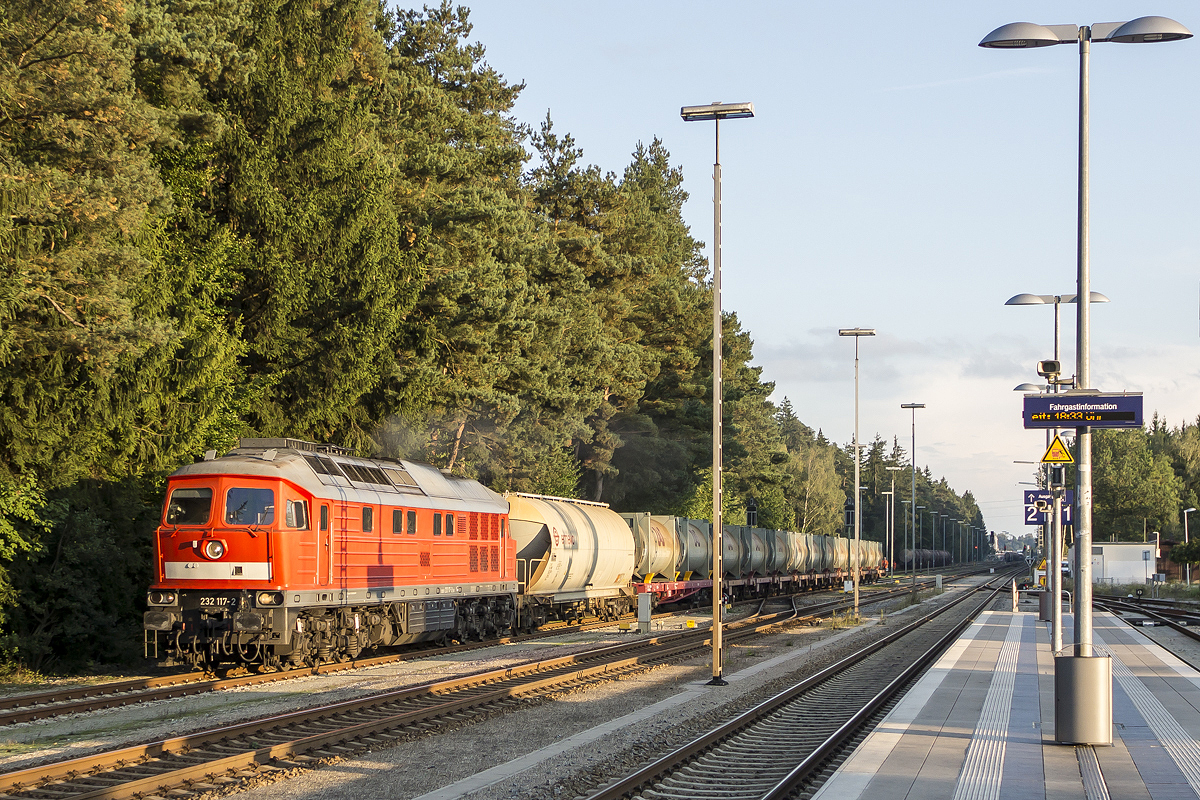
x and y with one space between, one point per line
856 332
717 111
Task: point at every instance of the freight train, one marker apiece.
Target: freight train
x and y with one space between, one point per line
922 559
284 553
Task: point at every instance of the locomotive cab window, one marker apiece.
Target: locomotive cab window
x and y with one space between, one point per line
297 514
368 519
189 507
244 506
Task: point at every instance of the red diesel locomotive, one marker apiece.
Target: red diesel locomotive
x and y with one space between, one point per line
285 552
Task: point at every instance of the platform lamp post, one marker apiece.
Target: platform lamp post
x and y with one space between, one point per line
1083 685
857 333
944 518
906 503
892 518
717 112
1054 530
933 536
919 536
913 458
1187 566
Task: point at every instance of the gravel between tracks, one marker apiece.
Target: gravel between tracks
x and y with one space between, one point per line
428 763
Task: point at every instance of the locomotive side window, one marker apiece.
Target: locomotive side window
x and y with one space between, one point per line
437 524
449 524
324 518
189 507
397 520
368 519
297 514
412 522
249 506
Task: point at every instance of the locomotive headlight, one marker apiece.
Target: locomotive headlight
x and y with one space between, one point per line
161 598
270 598
214 549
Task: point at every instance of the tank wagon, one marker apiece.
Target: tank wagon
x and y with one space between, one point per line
923 559
284 552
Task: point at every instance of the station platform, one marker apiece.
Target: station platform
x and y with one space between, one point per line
979 725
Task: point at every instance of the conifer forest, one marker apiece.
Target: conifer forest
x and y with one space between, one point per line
321 220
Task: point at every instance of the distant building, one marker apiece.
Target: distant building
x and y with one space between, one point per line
1120 562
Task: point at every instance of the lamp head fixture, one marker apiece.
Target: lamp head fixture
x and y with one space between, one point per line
1017 35
1024 299
717 111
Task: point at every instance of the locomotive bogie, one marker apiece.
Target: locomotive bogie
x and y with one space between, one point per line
230 629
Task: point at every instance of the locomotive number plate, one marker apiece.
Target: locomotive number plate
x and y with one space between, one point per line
216 601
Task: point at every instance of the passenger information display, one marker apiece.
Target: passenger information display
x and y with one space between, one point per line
1078 410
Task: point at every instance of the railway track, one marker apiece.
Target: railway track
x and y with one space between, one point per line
116 694
209 759
1119 606
1185 614
778 748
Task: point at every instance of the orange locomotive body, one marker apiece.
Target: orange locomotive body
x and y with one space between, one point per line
284 553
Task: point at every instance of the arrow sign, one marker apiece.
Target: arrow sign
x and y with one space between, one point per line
1057 453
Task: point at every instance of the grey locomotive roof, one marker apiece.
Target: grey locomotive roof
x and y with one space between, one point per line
401 483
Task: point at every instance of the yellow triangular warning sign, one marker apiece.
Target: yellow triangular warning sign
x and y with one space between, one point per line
1057 453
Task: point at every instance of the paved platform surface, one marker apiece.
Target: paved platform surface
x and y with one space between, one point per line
979 725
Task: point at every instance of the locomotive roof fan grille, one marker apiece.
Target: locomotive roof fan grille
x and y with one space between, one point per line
292 444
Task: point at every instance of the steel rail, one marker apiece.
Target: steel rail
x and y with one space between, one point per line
116 694
433 698
122 773
1111 604
689 753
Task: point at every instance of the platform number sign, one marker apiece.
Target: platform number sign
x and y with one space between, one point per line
1038 505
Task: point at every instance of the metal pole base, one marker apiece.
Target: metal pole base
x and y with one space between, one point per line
1045 606
717 681
1083 700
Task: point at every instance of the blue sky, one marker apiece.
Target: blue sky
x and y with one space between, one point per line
899 177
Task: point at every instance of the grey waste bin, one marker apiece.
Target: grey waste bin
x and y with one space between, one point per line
1083 700
1045 606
